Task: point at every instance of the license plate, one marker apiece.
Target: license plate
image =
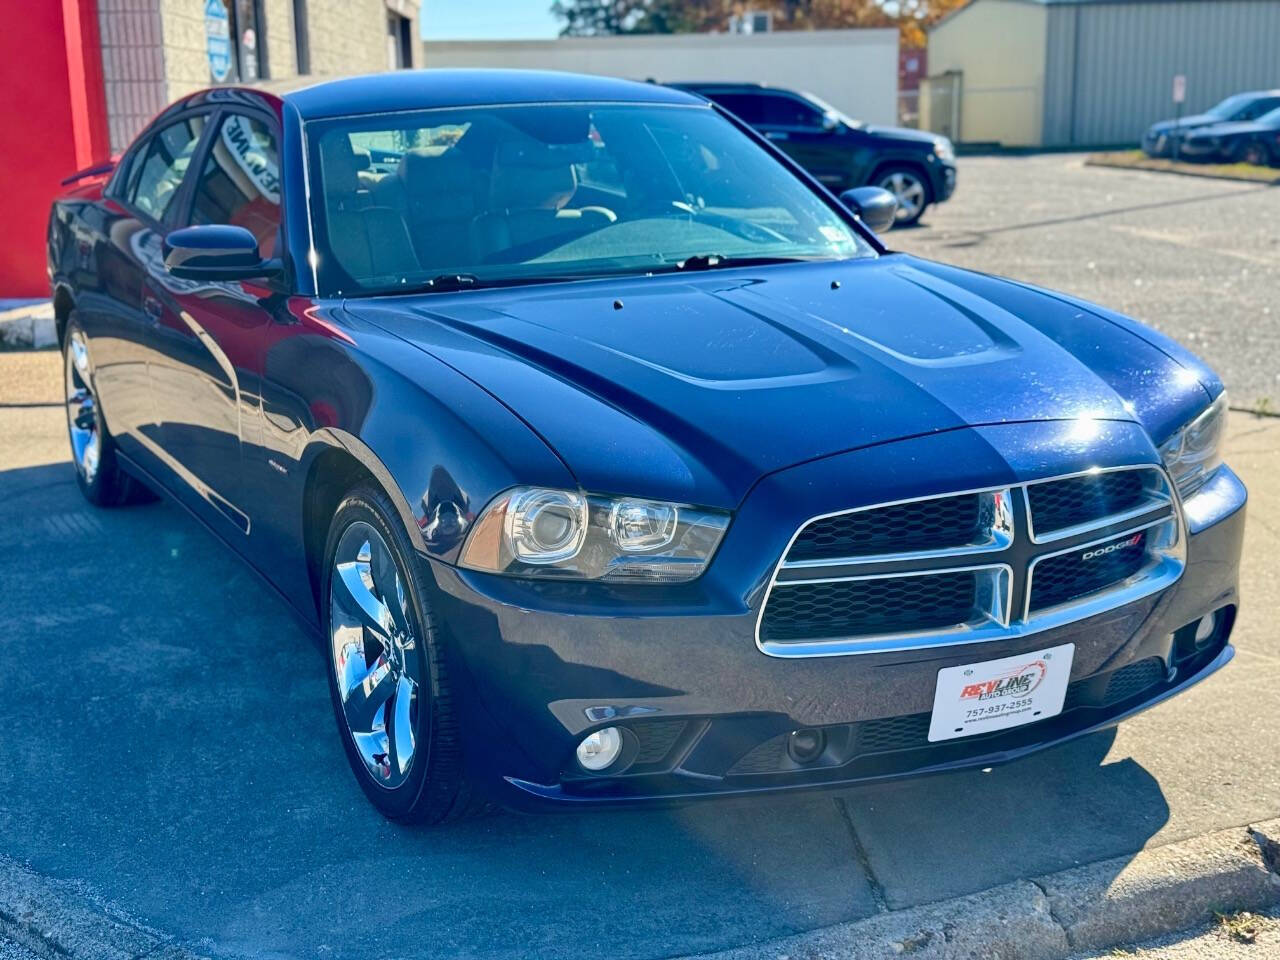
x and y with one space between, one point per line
997 694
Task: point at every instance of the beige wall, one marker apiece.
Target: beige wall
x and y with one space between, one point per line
999 48
153 51
854 70
350 36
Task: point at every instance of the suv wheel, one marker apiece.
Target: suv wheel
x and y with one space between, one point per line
1254 153
909 187
387 675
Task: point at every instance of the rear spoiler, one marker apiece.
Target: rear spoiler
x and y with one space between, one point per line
95 171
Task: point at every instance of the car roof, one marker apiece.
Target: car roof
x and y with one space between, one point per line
427 89
726 85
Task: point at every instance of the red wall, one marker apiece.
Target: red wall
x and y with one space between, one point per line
53 121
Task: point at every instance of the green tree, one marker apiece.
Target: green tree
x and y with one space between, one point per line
911 17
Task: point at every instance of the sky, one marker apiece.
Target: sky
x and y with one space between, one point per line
487 19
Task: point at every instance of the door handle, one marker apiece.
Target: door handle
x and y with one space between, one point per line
152 308
777 135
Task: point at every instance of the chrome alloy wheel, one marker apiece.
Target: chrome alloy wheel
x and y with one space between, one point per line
909 190
83 423
376 659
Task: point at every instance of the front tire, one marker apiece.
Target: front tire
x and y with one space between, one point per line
909 187
388 679
93 449
1253 153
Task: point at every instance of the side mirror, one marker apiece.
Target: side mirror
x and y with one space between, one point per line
216 252
830 123
875 207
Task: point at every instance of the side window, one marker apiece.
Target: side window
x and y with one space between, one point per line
240 182
780 111
1259 108
746 107
160 164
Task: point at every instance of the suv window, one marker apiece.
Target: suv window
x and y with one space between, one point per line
1260 107
160 165
240 182
747 107
783 111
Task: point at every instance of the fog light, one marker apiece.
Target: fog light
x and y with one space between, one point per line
600 749
805 746
1204 629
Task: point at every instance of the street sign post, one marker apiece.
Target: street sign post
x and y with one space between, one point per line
1179 97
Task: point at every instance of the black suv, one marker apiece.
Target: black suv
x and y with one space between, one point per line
917 167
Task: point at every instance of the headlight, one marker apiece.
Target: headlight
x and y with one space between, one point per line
539 532
944 149
1194 453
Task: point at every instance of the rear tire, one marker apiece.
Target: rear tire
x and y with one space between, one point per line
388 676
93 450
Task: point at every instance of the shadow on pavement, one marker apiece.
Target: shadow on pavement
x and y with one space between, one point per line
170 744
940 837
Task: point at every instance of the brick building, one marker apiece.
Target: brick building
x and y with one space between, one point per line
79 78
154 51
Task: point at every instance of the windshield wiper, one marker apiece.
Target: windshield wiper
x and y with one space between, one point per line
700 261
710 261
451 281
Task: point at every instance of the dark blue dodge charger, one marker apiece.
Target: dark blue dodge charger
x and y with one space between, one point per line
613 459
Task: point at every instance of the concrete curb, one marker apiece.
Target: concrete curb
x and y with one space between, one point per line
1094 907
60 919
1262 181
27 325
1158 891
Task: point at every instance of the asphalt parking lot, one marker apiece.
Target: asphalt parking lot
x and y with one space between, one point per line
1194 257
170 748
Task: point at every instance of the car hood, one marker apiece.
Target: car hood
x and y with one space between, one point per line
902 133
1185 123
1234 128
693 387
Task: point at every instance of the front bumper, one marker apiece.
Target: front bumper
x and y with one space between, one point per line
542 664
1157 144
1198 149
942 180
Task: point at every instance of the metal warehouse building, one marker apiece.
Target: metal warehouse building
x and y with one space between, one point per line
1059 73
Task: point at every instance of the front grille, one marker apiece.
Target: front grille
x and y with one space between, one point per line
893 733
946 522
942 570
912 731
1132 680
1071 576
767 757
656 738
850 742
869 607
1061 504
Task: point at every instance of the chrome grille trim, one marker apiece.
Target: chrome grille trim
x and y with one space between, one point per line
1166 561
1158 489
997 537
995 589
1166 550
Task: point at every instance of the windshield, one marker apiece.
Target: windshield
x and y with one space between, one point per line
491 195
1229 107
